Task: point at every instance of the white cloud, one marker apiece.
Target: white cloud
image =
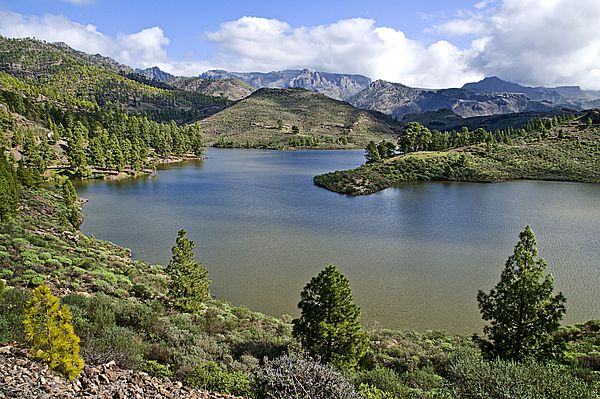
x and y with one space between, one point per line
461 27
350 46
142 49
554 42
146 45
55 28
550 42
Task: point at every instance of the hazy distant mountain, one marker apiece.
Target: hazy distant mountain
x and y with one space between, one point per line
334 85
563 95
398 100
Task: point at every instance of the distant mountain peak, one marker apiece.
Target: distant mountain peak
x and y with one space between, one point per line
155 73
335 85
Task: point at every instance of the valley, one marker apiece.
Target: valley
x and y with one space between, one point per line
249 233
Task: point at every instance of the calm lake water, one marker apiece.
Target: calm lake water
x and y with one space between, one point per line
415 255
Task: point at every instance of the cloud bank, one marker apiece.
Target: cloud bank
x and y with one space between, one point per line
554 42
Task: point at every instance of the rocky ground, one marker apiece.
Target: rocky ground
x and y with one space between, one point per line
23 378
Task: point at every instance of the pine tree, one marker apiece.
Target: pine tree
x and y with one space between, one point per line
72 203
9 198
372 153
189 286
329 326
522 309
76 150
49 331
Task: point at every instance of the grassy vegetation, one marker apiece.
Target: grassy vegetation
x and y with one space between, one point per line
280 118
569 153
59 75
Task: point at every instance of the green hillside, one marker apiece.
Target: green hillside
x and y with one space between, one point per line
231 89
568 152
280 118
87 82
86 114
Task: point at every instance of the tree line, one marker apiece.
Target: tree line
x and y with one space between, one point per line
105 139
417 137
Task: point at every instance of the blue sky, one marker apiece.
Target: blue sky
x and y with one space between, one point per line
428 43
185 22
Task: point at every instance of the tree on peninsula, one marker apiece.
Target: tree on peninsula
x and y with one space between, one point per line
189 286
522 310
329 326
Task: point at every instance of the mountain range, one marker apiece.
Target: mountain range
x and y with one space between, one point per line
334 85
163 96
490 96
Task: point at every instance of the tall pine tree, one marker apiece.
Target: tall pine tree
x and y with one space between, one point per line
329 326
9 199
189 286
522 310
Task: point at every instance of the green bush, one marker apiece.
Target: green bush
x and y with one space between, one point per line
6 273
114 343
30 258
156 369
12 305
64 260
211 376
53 263
31 278
384 379
367 391
134 315
473 377
424 379
44 256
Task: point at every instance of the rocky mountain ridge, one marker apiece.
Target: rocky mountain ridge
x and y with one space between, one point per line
155 73
562 95
397 100
334 85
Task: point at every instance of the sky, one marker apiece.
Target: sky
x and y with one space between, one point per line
427 43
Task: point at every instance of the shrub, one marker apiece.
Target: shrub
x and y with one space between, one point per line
424 379
301 378
159 353
212 377
384 379
116 344
472 377
6 273
64 260
49 331
137 316
156 369
367 391
31 278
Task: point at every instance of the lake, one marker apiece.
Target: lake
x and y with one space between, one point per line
415 255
